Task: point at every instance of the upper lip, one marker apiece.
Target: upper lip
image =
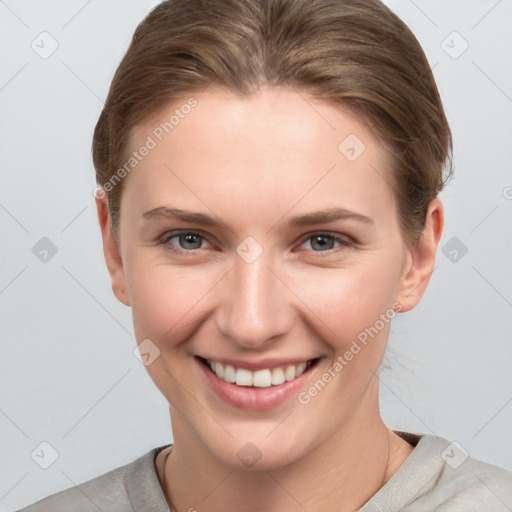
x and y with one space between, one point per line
261 364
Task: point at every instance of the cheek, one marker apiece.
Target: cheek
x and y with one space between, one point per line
354 310
168 307
166 302
349 300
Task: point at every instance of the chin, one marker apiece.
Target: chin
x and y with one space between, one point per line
261 449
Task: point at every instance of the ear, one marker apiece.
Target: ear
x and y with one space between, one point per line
422 258
111 250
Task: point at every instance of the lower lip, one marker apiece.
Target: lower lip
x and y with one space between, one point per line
253 398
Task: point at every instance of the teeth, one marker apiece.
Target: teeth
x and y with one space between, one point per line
277 376
229 373
261 378
289 373
242 377
300 369
218 369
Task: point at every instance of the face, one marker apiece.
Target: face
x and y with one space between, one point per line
260 244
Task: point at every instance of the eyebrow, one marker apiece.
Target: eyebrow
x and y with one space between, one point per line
183 215
327 215
318 217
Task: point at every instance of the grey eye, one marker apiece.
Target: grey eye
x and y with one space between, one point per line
190 241
322 242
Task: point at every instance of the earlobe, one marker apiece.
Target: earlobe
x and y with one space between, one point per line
111 251
422 259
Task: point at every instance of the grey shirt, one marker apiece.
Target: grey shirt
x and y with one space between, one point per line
437 475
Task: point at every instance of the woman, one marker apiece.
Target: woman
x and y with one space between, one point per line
269 174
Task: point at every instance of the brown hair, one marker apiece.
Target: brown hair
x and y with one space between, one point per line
356 53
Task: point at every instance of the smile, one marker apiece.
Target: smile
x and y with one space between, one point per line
255 385
263 378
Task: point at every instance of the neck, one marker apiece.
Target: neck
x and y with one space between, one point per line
339 474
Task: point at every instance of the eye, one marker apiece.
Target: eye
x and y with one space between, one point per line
325 242
187 241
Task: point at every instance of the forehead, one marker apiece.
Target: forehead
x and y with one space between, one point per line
267 151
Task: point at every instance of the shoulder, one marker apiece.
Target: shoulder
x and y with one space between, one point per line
440 475
470 483
119 490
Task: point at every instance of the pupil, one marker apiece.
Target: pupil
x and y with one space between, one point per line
323 245
189 239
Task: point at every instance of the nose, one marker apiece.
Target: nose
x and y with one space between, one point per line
255 307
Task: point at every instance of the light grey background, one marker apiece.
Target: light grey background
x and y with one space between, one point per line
68 374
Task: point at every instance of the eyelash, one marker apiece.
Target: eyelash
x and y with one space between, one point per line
344 242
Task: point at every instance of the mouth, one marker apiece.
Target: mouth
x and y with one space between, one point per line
267 385
255 386
261 378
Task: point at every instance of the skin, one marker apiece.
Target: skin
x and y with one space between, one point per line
254 163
